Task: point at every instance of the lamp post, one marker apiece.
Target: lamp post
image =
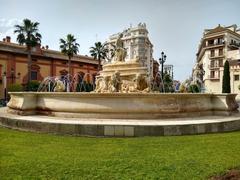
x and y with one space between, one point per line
5 77
162 61
5 87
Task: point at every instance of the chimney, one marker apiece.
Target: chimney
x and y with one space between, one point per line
38 47
8 39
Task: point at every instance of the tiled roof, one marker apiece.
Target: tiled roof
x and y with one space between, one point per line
216 30
16 48
234 62
232 29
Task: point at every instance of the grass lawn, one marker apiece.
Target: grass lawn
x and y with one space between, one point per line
26 155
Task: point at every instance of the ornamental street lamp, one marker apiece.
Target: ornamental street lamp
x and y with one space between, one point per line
5 77
162 61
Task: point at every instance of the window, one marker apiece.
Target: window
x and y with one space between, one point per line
236 77
220 63
34 75
212 64
94 78
211 42
212 53
219 41
214 74
81 76
220 52
141 40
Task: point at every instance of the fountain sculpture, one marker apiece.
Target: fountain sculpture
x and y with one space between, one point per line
121 76
122 91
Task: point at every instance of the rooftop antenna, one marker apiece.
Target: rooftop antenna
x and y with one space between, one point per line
96 38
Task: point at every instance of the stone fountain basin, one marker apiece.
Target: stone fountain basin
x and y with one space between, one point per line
121 105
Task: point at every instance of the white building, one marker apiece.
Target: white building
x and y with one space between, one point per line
137 45
216 46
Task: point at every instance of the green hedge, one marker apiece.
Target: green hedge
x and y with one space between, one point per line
15 87
32 86
193 88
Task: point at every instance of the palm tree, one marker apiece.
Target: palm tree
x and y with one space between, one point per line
28 35
69 47
99 52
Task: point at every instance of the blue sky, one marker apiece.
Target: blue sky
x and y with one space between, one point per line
175 26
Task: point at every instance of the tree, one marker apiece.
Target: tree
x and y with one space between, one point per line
168 82
226 79
99 51
194 88
28 35
69 47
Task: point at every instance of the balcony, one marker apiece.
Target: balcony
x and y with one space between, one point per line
234 45
214 77
214 67
215 45
211 56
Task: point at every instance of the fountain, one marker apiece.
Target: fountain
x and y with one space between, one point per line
122 104
77 83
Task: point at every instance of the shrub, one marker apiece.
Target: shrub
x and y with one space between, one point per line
32 86
226 79
194 88
84 87
15 87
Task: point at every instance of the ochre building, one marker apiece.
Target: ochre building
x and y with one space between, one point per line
45 62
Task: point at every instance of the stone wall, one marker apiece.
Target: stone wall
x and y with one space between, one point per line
122 105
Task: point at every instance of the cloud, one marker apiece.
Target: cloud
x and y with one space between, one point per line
7 27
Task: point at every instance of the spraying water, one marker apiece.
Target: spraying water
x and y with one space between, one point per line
77 83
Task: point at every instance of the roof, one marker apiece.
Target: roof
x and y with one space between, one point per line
215 30
234 62
232 29
20 49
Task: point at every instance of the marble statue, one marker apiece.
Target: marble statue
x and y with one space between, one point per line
198 75
115 82
138 84
60 87
120 52
101 85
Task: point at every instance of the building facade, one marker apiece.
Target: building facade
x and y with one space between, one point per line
216 46
137 45
45 62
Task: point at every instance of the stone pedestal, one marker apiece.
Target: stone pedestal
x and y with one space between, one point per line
123 77
127 70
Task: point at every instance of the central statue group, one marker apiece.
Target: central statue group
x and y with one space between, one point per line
115 83
120 52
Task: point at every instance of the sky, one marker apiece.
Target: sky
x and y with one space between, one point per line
175 26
